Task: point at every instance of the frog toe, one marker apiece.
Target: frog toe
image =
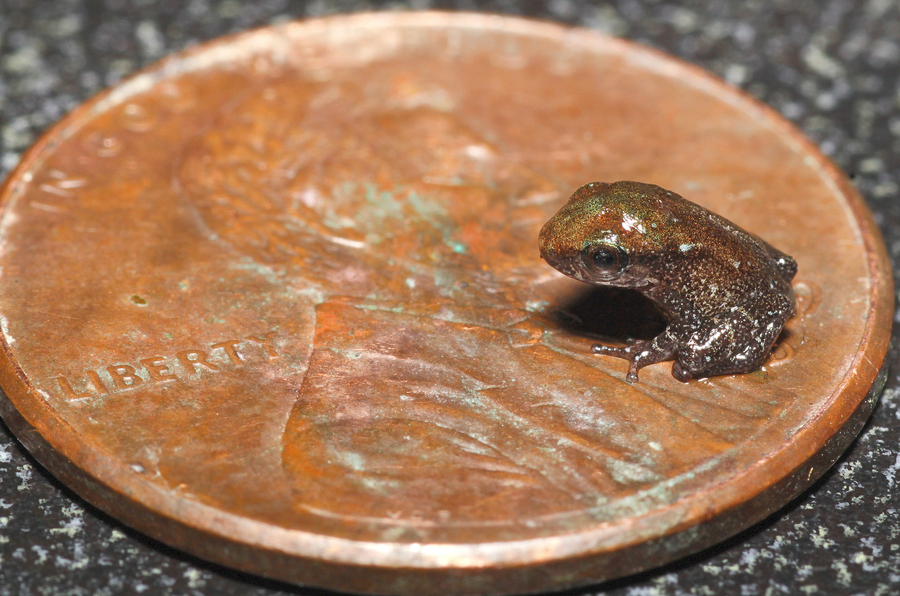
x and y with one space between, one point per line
610 351
632 376
680 373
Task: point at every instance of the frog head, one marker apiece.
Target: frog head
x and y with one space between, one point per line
611 234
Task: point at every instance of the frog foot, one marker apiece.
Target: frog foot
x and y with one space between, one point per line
640 353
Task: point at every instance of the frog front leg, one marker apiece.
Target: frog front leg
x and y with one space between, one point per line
641 353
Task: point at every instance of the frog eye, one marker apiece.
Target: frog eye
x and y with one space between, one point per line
605 259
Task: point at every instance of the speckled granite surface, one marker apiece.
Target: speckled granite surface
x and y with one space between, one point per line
832 67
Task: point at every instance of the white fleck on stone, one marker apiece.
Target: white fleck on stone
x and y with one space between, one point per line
844 577
821 63
195 578
228 9
24 474
736 74
885 189
116 535
26 59
683 20
883 52
41 553
65 26
71 528
826 101
871 165
604 18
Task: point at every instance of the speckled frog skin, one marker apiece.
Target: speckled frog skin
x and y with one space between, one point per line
725 292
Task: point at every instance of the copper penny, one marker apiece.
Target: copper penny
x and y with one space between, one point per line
277 301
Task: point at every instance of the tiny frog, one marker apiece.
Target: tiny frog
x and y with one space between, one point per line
725 293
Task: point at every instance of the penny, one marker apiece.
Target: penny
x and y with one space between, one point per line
277 301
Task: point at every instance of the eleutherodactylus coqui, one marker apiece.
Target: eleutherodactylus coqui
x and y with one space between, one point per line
726 293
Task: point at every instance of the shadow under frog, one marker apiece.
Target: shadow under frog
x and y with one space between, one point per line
439 390
610 313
